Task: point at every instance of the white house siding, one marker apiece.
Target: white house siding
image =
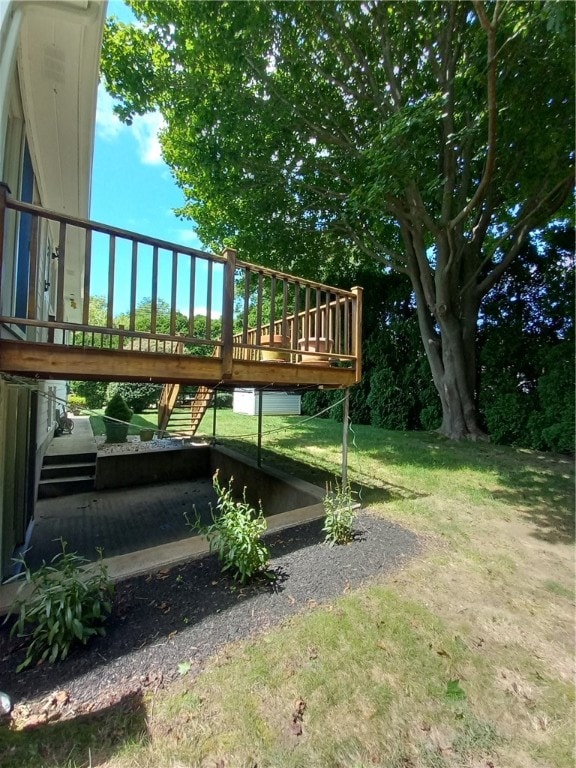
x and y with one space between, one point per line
273 403
49 57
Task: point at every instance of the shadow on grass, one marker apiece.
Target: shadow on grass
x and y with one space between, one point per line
540 485
86 739
368 493
543 502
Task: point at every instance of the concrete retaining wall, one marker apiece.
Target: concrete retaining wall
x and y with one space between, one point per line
278 491
128 469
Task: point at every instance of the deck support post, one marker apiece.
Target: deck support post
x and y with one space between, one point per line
345 421
213 415
259 447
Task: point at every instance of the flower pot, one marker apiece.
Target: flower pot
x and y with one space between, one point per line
310 350
116 432
273 355
146 435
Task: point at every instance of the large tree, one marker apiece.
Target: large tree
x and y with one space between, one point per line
431 137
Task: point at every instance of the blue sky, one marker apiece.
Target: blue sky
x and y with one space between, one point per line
132 187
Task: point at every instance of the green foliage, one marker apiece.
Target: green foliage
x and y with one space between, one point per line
555 390
137 396
235 534
389 405
94 392
68 603
357 133
340 513
118 409
527 348
76 403
224 399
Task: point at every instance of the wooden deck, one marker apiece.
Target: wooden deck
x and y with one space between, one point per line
239 324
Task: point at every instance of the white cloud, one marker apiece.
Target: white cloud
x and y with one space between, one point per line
144 128
108 126
214 314
188 237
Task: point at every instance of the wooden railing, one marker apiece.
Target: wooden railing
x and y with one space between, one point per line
86 285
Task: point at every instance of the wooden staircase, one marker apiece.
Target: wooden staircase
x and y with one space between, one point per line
185 422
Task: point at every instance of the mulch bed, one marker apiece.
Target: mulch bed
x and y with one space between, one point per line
188 613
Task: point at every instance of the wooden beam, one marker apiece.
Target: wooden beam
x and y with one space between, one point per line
56 361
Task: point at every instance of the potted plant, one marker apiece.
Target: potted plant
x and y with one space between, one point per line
116 417
318 346
276 340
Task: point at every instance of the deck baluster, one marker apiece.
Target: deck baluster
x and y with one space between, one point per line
192 295
87 275
33 270
154 302
209 303
173 293
228 311
61 272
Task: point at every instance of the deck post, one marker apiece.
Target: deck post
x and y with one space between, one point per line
345 421
357 332
228 312
259 448
214 398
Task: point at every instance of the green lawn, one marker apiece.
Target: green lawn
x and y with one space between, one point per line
462 659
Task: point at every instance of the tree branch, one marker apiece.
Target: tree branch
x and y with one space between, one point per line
490 29
390 258
386 48
550 202
319 131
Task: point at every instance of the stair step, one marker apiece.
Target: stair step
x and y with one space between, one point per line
67 470
69 458
52 487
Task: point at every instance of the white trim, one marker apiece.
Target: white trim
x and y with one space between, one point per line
9 38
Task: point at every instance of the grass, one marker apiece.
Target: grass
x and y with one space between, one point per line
462 659
146 420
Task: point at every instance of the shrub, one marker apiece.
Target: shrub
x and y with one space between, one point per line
67 604
118 409
224 399
340 513
235 534
138 396
389 403
93 391
76 404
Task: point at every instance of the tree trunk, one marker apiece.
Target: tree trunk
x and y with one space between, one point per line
451 353
455 383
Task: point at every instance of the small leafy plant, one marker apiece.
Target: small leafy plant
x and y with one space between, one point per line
67 604
340 513
235 534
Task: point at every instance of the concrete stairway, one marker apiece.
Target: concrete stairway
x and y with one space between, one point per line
62 475
69 464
